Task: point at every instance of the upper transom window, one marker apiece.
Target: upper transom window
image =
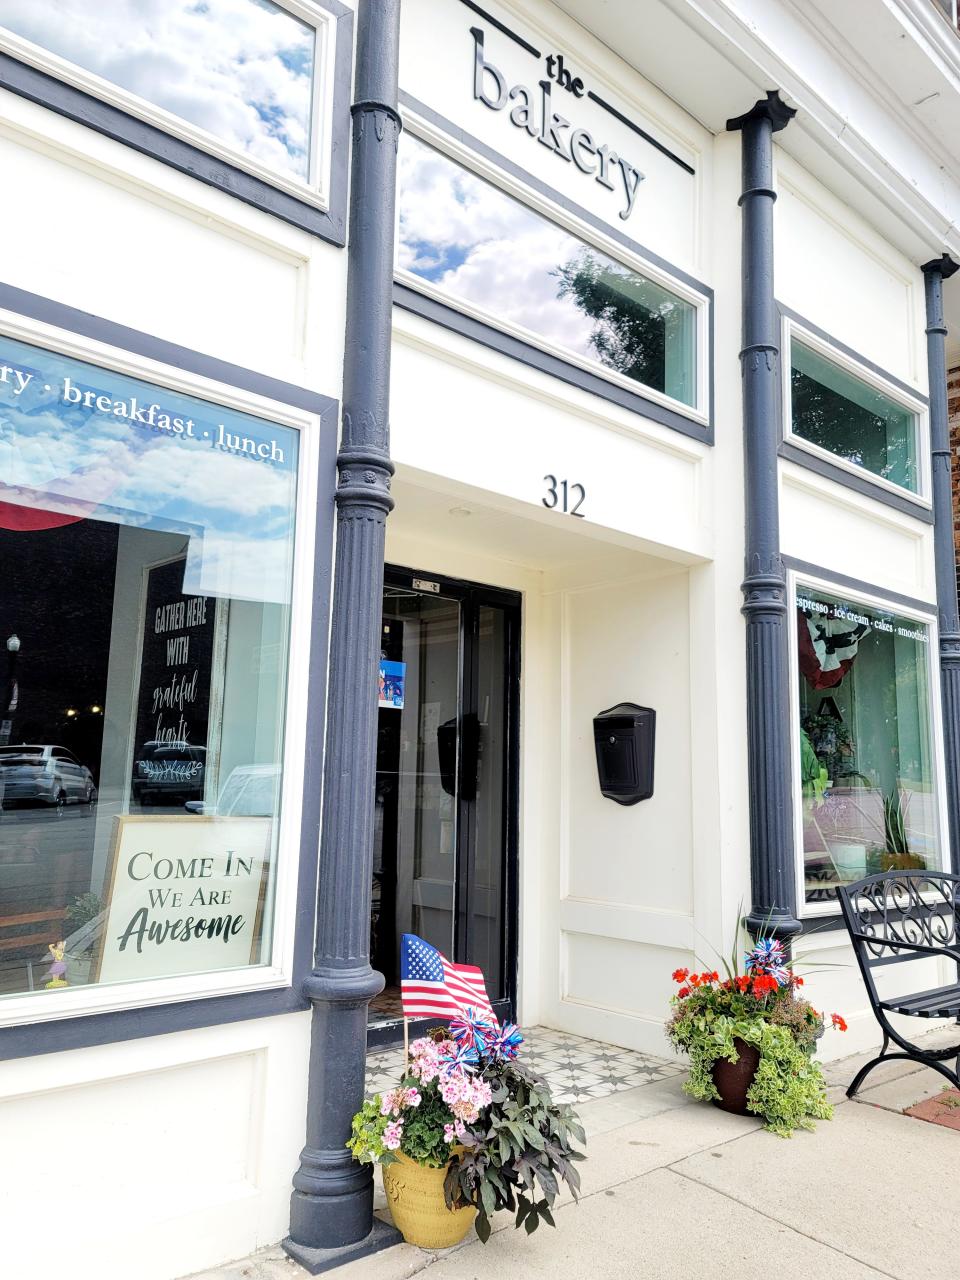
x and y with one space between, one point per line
864 422
243 72
487 253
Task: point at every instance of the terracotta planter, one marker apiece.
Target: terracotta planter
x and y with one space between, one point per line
733 1079
415 1196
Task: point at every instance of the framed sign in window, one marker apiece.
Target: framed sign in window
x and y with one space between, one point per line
184 894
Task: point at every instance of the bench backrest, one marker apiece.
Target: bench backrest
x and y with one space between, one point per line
919 907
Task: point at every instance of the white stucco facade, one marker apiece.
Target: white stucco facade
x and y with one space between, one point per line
178 1149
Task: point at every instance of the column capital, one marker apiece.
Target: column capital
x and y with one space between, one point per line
771 108
944 267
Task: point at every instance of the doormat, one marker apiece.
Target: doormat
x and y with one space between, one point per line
943 1108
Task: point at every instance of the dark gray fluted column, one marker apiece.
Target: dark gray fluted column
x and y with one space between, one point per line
945 554
765 606
331 1210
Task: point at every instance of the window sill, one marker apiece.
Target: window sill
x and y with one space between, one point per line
83 108
812 460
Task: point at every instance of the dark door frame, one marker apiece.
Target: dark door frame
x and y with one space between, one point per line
472 597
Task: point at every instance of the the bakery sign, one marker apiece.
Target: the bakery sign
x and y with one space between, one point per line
532 108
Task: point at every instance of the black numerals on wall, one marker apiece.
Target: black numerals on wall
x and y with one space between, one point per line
561 494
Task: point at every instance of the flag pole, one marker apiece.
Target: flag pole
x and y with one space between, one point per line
406 1041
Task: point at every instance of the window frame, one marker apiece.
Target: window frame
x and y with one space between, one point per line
872 598
492 168
294 871
93 100
793 327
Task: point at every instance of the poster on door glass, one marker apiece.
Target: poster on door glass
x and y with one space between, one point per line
393 676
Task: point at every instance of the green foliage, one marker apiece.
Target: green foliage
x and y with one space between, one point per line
518 1153
423 1138
366 1135
83 909
788 1090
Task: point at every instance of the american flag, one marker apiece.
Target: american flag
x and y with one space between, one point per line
432 987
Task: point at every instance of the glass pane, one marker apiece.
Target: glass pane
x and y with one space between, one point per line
415 841
869 799
833 409
481 247
147 542
241 69
486 893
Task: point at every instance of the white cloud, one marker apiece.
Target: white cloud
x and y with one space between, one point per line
510 255
242 69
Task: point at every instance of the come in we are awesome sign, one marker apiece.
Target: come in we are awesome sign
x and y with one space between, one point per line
185 896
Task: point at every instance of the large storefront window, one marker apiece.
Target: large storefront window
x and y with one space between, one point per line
484 250
868 787
146 538
849 417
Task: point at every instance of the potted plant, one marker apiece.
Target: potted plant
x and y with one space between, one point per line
751 1038
468 1130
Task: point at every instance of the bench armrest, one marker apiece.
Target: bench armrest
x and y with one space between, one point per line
952 953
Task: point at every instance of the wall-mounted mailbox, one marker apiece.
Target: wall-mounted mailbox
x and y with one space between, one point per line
624 739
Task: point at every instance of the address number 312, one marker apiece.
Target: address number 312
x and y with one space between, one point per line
559 495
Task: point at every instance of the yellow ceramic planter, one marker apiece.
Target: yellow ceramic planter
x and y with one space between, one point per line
415 1196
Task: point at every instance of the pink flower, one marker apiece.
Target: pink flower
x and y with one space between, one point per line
449 1134
392 1135
412 1098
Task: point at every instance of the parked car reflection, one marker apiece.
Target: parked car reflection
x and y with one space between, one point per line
168 773
250 791
44 775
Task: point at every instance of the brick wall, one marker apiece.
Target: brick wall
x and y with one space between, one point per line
953 410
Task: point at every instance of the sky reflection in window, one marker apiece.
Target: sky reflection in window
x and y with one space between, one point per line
241 69
480 246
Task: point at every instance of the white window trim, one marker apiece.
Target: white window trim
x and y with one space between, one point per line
914 404
316 190
35 1007
795 579
470 160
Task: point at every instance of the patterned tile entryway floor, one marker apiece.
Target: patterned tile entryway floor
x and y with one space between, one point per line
575 1068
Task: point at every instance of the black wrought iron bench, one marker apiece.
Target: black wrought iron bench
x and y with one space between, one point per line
893 918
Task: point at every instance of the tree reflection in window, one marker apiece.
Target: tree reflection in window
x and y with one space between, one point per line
850 418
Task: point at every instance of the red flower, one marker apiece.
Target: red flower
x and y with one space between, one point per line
680 975
796 979
742 982
762 983
695 979
838 1022
714 977
684 991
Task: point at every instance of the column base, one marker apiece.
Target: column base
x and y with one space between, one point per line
383 1236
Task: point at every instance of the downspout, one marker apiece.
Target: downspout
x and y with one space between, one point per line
765 606
331 1210
945 555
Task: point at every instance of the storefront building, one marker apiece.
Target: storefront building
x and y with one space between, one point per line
637 395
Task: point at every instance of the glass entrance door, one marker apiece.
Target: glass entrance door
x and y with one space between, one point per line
445 835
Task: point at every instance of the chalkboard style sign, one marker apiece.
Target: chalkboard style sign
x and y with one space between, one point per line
172 712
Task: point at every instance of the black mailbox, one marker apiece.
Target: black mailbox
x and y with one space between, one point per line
624 737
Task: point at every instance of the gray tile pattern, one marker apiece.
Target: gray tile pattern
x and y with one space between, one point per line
575 1068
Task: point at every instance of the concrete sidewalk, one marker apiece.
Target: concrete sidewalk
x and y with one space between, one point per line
674 1189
